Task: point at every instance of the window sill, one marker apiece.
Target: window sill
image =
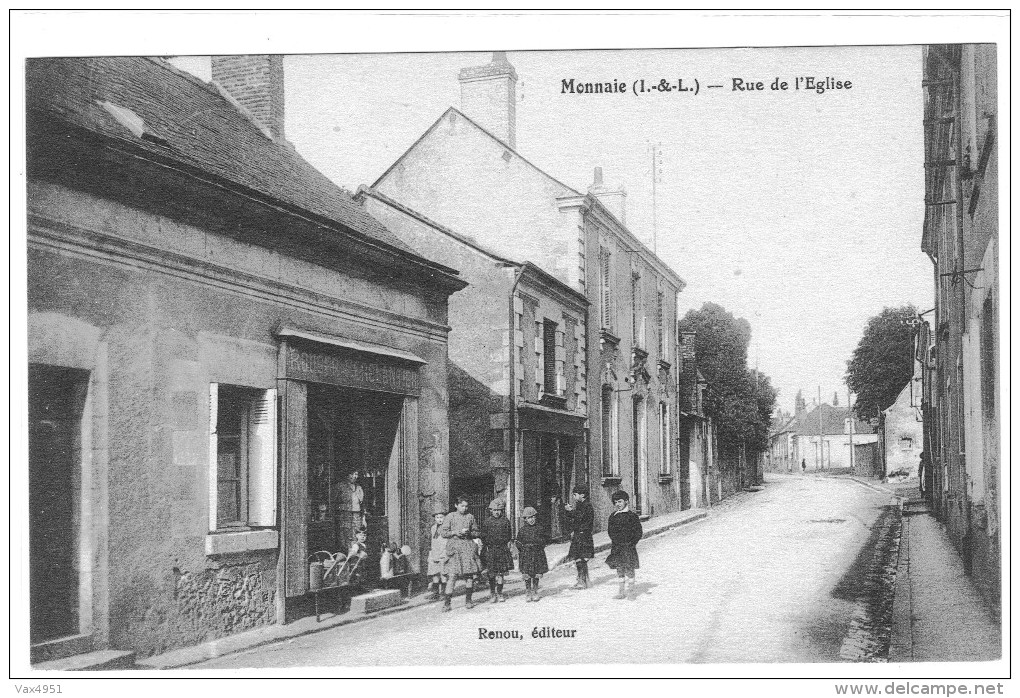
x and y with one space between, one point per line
664 365
665 478
607 337
611 480
553 400
226 543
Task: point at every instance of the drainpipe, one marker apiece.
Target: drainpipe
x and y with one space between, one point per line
512 392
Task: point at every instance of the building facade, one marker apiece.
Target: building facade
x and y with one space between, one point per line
466 174
820 439
205 312
518 399
962 403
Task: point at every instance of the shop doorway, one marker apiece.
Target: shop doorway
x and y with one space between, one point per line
548 469
353 465
56 401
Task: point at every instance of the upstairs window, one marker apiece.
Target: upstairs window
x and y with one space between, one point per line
550 374
242 451
605 287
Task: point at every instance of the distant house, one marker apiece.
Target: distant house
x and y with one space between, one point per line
820 439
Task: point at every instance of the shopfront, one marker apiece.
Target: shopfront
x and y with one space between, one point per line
349 449
552 446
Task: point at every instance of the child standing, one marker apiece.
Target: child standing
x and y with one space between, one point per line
496 557
624 532
437 555
460 531
581 519
531 541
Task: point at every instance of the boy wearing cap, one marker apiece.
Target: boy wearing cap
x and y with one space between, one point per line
624 532
437 554
581 520
496 557
531 541
460 531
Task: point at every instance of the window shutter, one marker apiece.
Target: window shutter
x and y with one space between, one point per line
213 453
606 312
262 460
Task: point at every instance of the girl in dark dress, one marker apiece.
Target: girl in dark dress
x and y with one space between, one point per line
496 557
462 562
624 532
532 541
581 520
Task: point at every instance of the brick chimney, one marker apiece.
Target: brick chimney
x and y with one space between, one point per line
613 198
256 83
488 94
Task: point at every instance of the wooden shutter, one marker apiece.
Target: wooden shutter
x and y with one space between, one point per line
213 469
262 460
606 299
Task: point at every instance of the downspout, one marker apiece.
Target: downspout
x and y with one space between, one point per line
512 393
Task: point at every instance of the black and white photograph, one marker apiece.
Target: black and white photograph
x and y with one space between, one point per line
490 349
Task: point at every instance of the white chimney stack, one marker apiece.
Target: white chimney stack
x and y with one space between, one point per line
613 198
488 95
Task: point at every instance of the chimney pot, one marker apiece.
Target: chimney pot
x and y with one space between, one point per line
598 176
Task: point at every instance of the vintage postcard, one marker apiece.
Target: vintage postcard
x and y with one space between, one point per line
507 355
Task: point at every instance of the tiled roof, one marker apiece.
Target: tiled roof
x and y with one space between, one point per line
833 419
190 122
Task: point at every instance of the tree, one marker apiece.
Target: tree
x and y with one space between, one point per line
883 362
740 401
800 404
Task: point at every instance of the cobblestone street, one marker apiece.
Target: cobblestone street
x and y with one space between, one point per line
772 576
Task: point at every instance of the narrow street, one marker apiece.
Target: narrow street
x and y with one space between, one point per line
794 573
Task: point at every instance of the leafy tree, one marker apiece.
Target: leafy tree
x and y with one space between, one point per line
882 364
740 401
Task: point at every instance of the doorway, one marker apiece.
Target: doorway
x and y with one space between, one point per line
640 450
549 469
353 464
56 401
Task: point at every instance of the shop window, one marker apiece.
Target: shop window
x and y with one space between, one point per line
242 444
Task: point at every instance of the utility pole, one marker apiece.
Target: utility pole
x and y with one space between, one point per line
656 176
821 436
850 414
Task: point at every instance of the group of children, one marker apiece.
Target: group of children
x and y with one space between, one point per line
456 538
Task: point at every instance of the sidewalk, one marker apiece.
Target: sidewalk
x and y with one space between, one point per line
240 642
938 615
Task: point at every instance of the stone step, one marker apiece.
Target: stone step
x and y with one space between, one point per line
376 601
100 660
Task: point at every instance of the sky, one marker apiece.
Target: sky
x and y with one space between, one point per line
797 210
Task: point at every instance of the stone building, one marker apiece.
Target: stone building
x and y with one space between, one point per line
698 445
821 439
205 311
962 405
517 409
466 174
